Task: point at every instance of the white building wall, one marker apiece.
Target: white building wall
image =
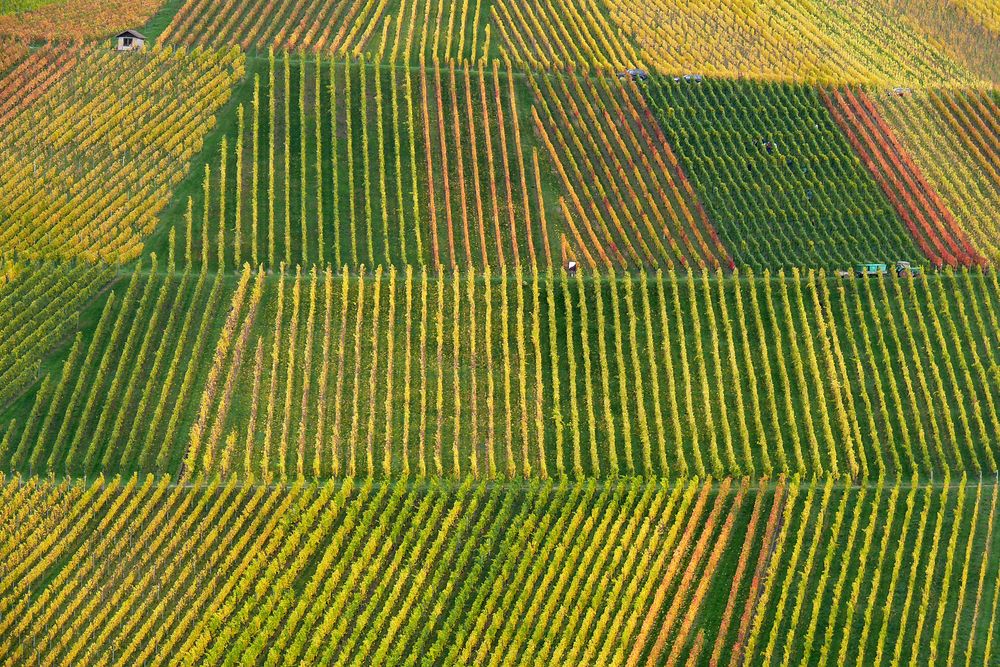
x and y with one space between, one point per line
136 44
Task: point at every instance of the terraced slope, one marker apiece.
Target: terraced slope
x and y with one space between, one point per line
554 169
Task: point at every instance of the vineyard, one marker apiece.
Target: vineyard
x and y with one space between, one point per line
11 51
33 76
983 12
925 215
412 30
779 180
358 573
66 188
23 5
43 301
71 19
499 332
835 42
654 217
321 374
965 31
324 165
959 128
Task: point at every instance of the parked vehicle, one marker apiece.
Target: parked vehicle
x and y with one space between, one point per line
634 75
864 270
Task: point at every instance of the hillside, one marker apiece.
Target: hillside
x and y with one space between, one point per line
499 332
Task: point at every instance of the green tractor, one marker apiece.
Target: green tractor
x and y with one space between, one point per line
907 270
877 269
